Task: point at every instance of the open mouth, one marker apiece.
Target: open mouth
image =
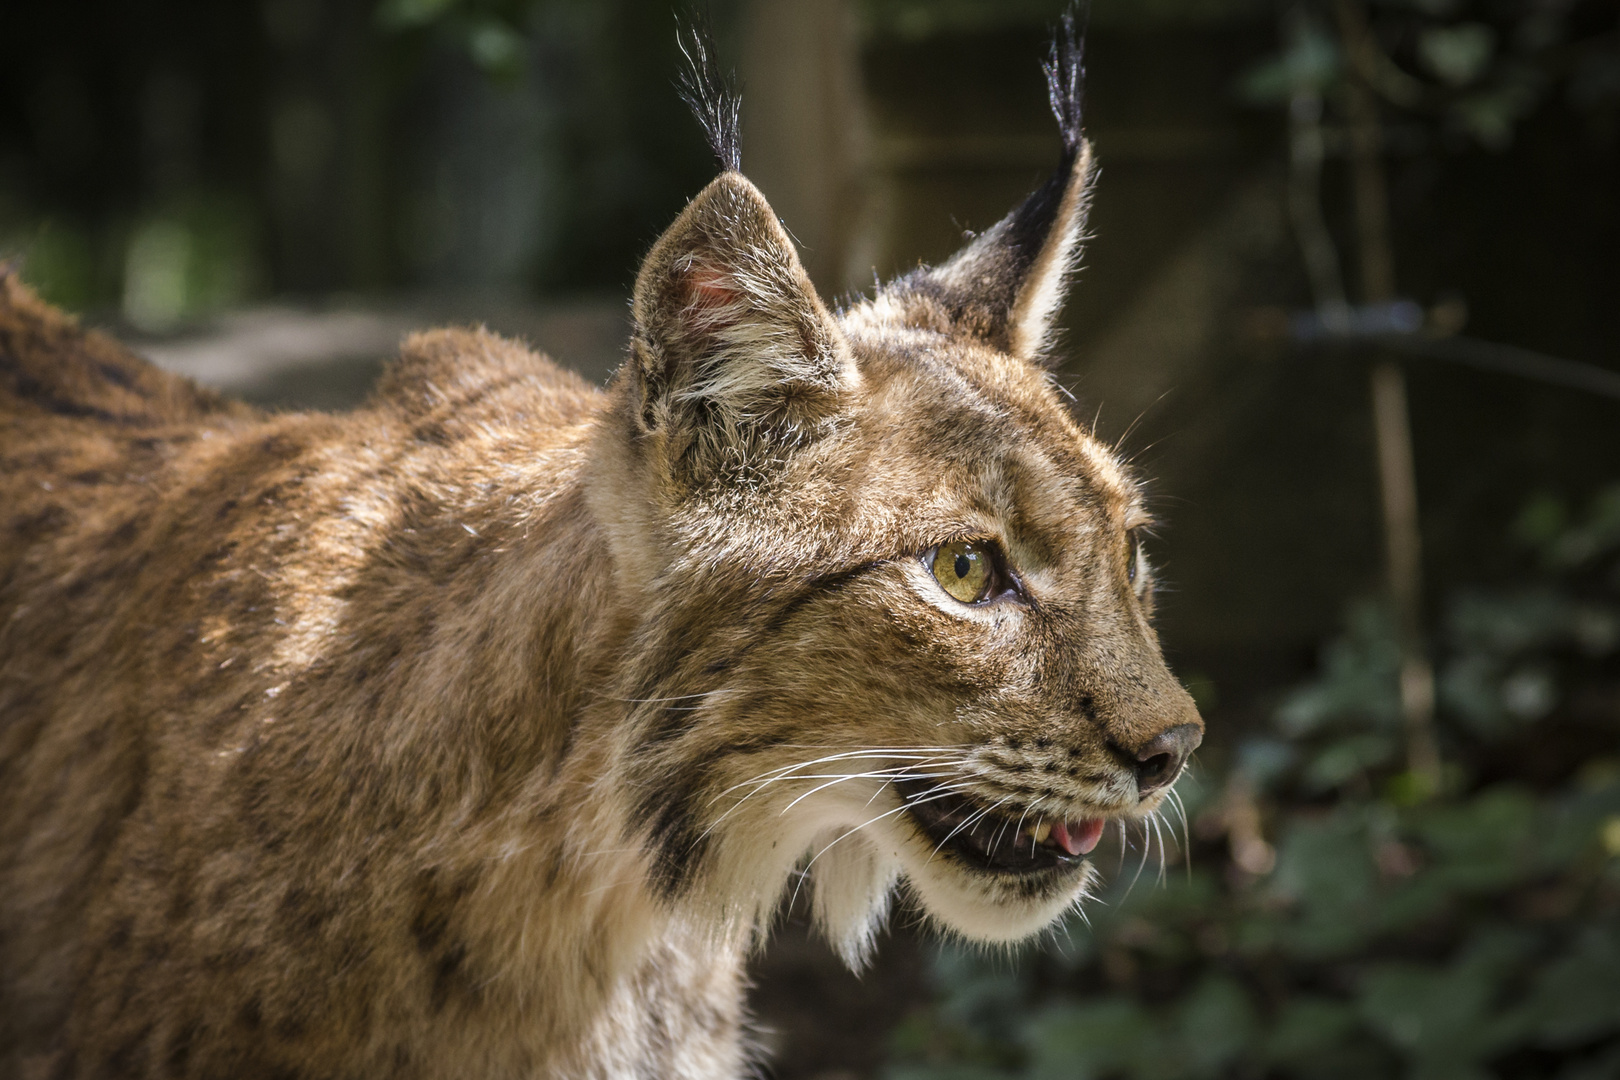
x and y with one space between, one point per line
1016 843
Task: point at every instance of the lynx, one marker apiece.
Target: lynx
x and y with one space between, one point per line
483 730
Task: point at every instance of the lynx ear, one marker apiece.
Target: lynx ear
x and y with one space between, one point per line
1008 286
732 348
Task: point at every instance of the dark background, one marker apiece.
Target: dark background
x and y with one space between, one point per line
267 194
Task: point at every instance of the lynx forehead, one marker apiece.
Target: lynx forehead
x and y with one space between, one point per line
482 731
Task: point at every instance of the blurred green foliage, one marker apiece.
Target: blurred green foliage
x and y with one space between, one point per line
1473 932
920 18
1476 68
176 262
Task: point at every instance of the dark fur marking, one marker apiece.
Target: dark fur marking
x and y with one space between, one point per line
431 433
814 589
289 1027
447 976
121 1062
179 1055
115 375
67 1065
25 387
118 937
675 718
554 868
667 663
679 846
303 912
435 907
750 746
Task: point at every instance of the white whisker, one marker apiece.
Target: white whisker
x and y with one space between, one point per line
970 821
677 697
898 772
786 771
905 805
886 773
1186 834
1141 865
1157 822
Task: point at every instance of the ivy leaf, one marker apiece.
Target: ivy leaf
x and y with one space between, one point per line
1457 55
409 14
1311 62
1577 998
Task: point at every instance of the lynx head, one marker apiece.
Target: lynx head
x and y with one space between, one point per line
893 611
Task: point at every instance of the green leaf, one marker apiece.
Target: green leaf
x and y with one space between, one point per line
1359 685
1213 1026
945 1072
1310 64
1428 1015
1490 114
1577 998
1457 55
1325 867
496 48
1090 1039
1346 759
407 14
1485 843
1308 1027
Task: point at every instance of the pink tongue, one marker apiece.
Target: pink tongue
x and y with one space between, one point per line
1078 837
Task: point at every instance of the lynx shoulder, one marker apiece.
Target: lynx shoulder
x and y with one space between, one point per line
481 730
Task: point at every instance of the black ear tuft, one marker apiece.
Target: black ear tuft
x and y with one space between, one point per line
1007 286
1065 69
711 95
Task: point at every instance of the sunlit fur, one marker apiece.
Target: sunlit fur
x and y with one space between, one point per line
483 731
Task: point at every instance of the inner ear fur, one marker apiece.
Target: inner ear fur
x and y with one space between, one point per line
732 347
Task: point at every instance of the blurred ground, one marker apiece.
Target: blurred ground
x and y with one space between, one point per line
327 357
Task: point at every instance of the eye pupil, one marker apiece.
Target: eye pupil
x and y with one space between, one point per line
966 569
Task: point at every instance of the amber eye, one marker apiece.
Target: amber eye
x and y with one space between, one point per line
966 569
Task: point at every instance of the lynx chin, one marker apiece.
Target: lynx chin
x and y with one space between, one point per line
482 731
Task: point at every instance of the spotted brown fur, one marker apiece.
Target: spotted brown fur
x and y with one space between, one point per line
481 730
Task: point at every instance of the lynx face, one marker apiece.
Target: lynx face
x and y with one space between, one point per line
897 610
930 658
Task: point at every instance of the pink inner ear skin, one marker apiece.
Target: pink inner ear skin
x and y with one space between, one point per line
707 287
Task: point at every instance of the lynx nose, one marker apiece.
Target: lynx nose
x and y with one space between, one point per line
1160 761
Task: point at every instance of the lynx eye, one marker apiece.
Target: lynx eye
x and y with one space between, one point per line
1136 564
966 569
